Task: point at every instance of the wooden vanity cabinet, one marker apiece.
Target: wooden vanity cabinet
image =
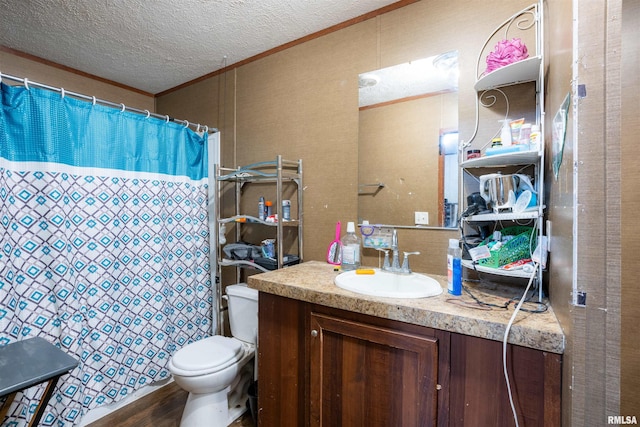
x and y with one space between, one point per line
319 366
364 374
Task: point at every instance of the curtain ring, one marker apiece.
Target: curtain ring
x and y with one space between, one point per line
198 129
186 123
148 114
62 92
167 119
93 98
26 83
206 129
123 107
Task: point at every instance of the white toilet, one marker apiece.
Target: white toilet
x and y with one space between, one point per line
215 370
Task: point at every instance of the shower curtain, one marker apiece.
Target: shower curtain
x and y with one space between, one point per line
104 244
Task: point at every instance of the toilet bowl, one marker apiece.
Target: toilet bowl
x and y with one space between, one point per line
217 371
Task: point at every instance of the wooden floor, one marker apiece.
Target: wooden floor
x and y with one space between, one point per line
162 408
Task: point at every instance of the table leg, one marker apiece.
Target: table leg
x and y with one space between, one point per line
5 406
44 400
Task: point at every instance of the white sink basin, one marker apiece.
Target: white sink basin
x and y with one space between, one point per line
385 284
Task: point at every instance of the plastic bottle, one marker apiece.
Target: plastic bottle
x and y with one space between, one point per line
350 249
505 133
261 208
454 267
269 208
534 137
286 210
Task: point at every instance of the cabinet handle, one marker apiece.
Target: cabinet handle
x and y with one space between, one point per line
314 333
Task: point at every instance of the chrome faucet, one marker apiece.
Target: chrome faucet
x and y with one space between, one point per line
395 263
395 267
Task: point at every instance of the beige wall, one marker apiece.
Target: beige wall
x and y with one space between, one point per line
302 103
49 75
593 204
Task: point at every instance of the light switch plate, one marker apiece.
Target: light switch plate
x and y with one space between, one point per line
422 218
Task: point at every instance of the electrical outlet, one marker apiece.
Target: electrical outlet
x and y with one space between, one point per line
422 218
581 299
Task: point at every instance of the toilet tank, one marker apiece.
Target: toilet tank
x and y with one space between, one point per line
243 312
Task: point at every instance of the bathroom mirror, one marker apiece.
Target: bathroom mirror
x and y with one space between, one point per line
407 143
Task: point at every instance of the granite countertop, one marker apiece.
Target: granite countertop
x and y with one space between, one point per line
314 282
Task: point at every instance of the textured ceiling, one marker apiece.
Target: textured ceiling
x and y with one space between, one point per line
155 45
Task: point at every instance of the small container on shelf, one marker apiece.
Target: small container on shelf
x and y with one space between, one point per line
286 210
473 154
525 133
261 209
534 137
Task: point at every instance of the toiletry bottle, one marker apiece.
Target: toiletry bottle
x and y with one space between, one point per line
286 210
525 133
269 208
350 249
534 137
261 208
454 267
505 133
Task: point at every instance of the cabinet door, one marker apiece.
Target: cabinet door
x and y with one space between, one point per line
364 375
281 361
479 396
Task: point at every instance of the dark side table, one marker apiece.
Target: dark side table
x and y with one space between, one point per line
27 363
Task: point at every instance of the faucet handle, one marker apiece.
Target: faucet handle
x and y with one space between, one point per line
385 265
405 262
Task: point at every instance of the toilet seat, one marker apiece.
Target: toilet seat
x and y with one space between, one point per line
206 356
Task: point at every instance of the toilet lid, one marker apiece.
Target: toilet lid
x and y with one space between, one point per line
209 354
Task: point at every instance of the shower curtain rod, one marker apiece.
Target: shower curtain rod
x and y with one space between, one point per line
26 82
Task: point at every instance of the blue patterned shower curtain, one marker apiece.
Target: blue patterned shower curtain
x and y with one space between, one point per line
104 244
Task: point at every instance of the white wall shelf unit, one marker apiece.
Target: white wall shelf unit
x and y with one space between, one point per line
527 70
